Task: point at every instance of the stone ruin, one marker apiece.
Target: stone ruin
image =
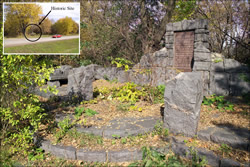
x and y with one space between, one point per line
184 65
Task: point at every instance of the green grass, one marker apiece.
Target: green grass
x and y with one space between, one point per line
62 46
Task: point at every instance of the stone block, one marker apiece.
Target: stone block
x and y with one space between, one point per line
228 137
91 130
183 97
219 83
201 66
169 46
239 83
54 83
120 156
217 67
211 158
201 37
158 76
80 81
169 33
170 52
201 31
202 56
66 152
202 23
206 133
188 24
229 162
204 44
169 27
60 73
91 156
177 26
234 66
199 47
169 39
45 145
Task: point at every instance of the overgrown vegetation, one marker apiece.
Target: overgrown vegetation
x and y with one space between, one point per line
20 110
219 102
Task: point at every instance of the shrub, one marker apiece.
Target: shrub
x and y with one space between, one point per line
20 110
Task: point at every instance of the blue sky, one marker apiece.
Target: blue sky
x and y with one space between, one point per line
57 14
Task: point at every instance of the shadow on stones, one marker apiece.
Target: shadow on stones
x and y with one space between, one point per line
233 81
243 132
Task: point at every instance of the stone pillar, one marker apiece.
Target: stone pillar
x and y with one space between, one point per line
183 97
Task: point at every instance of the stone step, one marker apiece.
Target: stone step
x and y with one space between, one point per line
121 127
235 137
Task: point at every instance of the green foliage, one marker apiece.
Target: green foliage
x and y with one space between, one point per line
89 112
156 94
36 155
129 93
196 160
245 78
225 149
184 10
159 130
65 26
78 112
152 158
219 102
64 127
116 136
20 110
121 62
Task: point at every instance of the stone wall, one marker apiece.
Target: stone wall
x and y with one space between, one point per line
227 77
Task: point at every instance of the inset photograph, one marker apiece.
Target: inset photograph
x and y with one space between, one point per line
41 28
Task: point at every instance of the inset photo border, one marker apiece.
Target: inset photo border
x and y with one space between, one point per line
41 28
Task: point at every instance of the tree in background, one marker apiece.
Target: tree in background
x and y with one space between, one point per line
46 26
228 26
65 26
127 29
17 16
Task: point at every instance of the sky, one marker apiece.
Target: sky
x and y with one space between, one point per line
57 14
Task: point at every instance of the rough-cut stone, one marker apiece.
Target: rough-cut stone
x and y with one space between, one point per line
54 83
229 163
204 43
129 126
239 83
217 67
232 66
91 156
227 136
177 26
60 73
120 156
91 130
80 81
158 76
169 39
205 134
169 27
109 73
219 83
183 97
201 66
45 145
202 56
66 152
202 23
201 37
211 158
188 25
